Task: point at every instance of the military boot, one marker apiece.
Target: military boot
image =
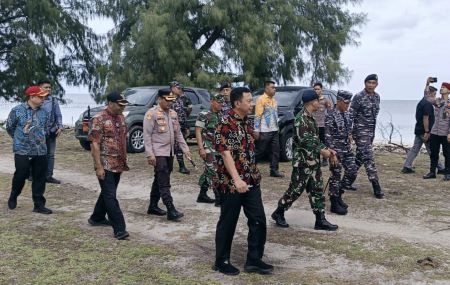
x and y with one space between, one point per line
203 197
336 207
172 213
153 209
323 224
379 194
183 168
278 217
341 202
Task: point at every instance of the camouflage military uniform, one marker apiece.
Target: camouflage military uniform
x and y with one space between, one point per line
306 173
225 108
364 111
338 127
183 107
208 120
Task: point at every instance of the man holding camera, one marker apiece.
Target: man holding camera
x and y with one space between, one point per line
424 123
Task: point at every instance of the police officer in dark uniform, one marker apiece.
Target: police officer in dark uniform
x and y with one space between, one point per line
183 107
364 110
338 128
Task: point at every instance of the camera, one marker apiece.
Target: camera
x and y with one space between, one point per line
433 79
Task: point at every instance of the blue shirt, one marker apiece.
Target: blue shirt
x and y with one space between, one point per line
28 128
55 116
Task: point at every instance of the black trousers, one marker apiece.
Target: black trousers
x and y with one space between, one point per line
230 209
435 145
269 142
38 163
161 182
107 202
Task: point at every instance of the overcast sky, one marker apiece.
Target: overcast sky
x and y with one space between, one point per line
403 41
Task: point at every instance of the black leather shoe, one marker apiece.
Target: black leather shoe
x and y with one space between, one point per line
102 223
446 177
278 217
155 210
258 266
407 170
52 180
121 235
430 175
174 215
12 202
441 171
276 173
226 268
42 210
204 198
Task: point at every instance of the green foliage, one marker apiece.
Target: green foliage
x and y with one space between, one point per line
47 39
204 42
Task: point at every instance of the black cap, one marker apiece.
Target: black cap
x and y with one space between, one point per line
309 95
116 97
344 96
371 77
267 81
224 85
432 88
167 94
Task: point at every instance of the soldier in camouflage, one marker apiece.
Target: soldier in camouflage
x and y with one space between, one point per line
183 107
364 111
225 91
338 128
306 173
204 132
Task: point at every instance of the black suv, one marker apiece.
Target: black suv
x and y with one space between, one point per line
141 99
289 99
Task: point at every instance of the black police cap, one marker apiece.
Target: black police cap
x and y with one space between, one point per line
164 92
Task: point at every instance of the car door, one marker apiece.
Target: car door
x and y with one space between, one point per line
198 105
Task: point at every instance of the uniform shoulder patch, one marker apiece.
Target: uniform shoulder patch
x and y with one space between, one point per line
149 115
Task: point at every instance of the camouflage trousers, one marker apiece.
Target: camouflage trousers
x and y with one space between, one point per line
364 155
209 175
301 179
177 149
346 161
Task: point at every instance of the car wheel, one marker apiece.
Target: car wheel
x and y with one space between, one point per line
135 139
85 144
286 147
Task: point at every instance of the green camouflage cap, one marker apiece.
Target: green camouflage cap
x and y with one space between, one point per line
217 97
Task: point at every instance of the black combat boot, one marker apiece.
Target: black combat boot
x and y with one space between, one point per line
172 213
278 217
183 168
336 206
323 224
153 209
341 202
379 194
203 197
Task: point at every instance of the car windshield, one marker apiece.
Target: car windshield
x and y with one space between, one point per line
284 98
140 96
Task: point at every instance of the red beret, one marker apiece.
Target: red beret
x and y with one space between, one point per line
36 91
446 85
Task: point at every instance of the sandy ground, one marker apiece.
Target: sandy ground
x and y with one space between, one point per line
193 236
